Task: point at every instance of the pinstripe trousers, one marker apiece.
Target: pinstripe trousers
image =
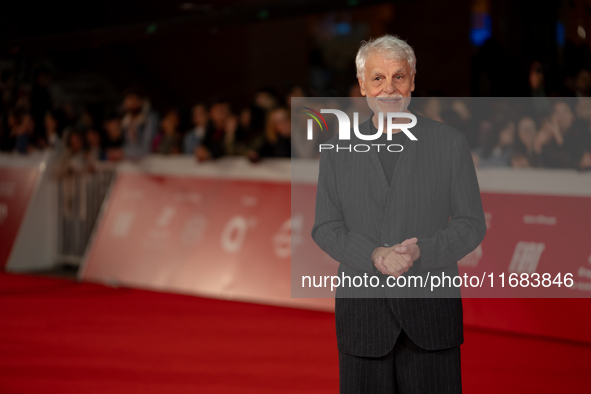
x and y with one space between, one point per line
407 369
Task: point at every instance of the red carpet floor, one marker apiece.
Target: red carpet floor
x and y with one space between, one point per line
59 336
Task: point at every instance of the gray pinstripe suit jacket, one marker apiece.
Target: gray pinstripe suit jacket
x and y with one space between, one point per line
434 196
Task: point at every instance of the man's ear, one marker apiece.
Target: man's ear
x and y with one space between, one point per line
412 89
361 88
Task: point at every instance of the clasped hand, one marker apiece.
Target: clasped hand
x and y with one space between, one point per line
396 260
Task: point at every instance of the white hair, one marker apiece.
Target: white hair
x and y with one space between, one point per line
389 46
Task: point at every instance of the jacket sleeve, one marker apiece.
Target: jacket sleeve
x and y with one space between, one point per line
466 227
330 232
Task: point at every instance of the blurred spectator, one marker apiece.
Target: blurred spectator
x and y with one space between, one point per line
73 158
52 130
247 138
7 138
139 125
113 142
582 85
460 117
195 136
168 140
219 138
86 119
94 144
583 109
299 91
69 115
22 127
23 98
567 139
264 101
536 80
495 150
40 103
523 154
432 108
6 89
277 136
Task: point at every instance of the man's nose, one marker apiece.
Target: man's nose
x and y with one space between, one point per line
390 87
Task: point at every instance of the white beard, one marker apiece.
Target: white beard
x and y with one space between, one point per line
377 105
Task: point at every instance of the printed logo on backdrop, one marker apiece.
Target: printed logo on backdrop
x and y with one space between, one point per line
345 128
235 231
539 219
288 236
122 224
526 257
193 230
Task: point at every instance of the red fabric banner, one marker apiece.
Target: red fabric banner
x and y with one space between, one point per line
16 188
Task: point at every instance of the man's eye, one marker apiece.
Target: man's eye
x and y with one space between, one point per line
399 77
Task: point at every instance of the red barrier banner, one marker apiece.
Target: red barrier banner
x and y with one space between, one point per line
536 246
214 237
532 234
16 188
235 239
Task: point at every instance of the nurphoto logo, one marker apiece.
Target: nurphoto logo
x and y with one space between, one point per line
345 128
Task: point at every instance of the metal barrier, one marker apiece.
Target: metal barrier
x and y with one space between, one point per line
80 197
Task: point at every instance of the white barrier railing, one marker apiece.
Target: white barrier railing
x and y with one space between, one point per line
80 197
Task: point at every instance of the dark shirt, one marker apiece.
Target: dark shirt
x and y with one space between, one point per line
214 141
388 159
280 148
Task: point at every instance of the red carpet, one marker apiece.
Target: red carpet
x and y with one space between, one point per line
58 336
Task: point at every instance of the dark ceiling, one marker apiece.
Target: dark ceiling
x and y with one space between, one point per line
29 22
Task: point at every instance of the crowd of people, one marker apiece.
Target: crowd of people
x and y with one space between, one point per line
520 132
502 132
30 122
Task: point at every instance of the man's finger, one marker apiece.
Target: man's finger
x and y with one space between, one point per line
403 261
379 263
390 268
410 241
405 250
395 264
401 249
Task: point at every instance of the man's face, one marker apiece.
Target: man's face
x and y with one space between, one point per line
113 128
527 131
132 103
563 116
199 115
386 83
219 112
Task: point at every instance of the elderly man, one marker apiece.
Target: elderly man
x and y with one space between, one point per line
392 214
